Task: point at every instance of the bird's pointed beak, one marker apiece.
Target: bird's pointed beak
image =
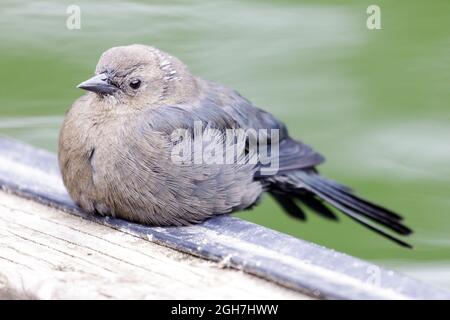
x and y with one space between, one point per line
98 84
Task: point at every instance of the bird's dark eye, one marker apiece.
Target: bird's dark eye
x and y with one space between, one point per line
135 84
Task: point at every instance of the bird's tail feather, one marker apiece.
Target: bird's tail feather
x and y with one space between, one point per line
289 205
293 208
362 211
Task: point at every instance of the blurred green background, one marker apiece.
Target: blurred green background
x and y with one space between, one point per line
374 102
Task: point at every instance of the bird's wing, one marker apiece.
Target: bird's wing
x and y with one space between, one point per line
292 154
223 108
200 188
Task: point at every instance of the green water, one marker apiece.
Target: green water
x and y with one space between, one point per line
374 102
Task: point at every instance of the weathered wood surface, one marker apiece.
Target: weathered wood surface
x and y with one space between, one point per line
46 254
229 241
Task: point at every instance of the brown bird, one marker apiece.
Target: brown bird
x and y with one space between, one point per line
116 150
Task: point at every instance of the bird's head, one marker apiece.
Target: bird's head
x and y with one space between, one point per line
139 76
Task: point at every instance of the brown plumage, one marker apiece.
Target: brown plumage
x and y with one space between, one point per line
115 150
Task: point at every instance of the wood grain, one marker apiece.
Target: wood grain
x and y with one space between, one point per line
48 254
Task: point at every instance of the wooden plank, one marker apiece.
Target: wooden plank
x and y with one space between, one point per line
232 242
49 255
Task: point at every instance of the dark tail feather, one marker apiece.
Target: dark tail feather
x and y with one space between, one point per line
317 206
368 205
357 209
356 204
289 206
